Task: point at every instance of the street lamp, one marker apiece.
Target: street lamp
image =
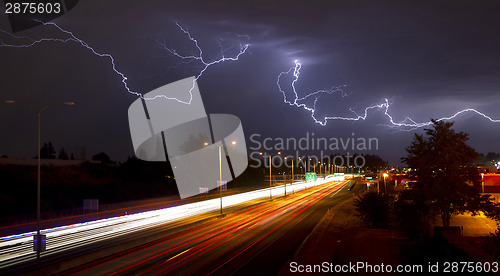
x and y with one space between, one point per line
300 171
220 171
220 178
38 237
270 175
292 176
482 183
385 182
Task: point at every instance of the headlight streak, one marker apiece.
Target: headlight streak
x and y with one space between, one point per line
205 229
173 248
312 201
242 230
59 237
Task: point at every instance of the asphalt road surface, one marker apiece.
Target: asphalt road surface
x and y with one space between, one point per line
81 239
258 239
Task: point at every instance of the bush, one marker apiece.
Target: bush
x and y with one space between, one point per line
373 208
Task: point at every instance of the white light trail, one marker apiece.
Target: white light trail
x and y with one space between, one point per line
71 236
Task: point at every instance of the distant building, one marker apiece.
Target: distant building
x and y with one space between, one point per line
490 184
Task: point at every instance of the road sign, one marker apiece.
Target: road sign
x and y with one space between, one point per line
43 241
338 176
310 176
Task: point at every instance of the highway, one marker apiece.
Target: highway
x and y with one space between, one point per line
227 245
16 250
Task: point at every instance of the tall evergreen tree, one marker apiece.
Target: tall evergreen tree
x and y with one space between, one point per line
63 155
47 151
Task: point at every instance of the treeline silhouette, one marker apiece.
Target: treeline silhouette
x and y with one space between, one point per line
65 187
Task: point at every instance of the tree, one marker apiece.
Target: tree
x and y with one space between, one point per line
47 151
373 208
493 156
412 215
441 168
63 155
193 143
103 157
374 161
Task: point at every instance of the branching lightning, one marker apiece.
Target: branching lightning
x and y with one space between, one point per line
407 124
186 59
200 57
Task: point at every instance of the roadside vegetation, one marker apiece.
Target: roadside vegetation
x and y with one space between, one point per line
445 184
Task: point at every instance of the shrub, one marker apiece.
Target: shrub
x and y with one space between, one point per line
373 208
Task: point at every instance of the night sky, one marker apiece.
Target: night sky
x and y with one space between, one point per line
431 59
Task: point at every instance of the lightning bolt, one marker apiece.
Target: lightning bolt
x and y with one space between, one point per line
200 57
407 124
73 38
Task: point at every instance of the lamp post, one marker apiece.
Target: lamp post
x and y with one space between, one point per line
220 172
38 111
220 178
300 171
284 179
270 175
385 182
482 183
291 182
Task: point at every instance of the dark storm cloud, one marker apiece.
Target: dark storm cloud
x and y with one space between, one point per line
430 58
